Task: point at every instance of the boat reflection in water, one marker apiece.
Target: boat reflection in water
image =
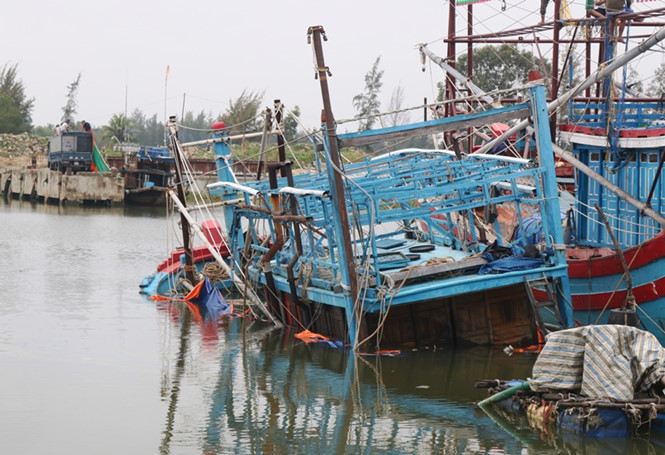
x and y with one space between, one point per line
239 386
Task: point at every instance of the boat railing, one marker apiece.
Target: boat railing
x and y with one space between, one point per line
626 115
434 194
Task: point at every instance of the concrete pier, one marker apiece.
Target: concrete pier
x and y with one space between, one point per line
54 187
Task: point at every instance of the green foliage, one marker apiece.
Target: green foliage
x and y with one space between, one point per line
195 128
11 120
242 115
16 111
296 153
44 131
117 131
69 110
301 155
634 80
367 104
146 131
440 91
500 68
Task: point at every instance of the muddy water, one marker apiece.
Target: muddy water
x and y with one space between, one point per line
87 365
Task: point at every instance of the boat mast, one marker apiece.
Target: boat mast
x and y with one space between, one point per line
186 239
450 85
345 254
281 141
554 77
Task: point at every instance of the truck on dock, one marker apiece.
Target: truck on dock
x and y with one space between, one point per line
71 152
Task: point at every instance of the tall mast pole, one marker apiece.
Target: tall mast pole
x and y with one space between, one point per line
554 79
186 238
342 230
450 54
279 121
469 66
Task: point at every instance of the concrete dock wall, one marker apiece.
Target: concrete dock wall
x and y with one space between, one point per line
52 186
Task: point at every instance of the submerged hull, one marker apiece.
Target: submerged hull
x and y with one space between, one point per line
168 279
351 261
578 426
430 313
436 284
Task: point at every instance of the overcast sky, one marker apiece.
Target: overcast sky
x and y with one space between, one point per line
217 49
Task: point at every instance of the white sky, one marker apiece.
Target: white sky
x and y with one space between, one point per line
217 49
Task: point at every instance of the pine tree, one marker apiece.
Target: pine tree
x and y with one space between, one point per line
367 104
16 107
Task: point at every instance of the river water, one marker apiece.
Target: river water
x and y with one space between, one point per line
88 365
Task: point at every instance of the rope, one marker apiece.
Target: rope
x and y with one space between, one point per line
214 272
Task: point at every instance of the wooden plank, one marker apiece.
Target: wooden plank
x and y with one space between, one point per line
471 319
422 272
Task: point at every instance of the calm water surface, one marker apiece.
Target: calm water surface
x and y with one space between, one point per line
87 365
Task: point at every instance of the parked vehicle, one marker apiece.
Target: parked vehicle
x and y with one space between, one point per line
71 152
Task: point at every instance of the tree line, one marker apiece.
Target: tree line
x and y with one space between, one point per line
494 68
243 115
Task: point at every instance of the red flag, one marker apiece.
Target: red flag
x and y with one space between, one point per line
168 68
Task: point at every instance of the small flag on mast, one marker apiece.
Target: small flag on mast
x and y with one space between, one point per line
168 68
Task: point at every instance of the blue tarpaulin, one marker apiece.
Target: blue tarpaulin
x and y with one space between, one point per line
511 264
206 300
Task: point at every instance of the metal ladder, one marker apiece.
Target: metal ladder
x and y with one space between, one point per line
550 306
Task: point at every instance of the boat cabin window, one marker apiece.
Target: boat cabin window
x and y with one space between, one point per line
593 157
653 157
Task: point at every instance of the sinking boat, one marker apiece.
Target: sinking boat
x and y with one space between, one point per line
401 249
616 255
603 381
170 279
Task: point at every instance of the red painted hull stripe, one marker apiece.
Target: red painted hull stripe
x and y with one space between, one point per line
651 250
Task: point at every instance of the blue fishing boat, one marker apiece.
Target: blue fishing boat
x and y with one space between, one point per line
147 172
614 138
403 249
